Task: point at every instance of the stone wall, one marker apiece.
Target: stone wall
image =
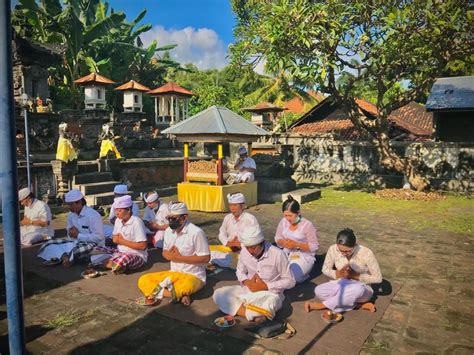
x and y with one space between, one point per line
450 166
139 174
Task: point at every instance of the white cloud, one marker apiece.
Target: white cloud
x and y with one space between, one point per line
201 46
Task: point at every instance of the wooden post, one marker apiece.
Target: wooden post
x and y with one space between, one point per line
186 155
220 178
250 149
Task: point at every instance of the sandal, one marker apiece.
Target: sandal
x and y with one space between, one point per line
147 302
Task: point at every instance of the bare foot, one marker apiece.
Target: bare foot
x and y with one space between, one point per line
369 307
151 301
313 306
186 300
66 261
260 319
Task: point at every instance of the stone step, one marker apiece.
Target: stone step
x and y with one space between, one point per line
89 178
275 185
98 187
303 195
269 197
106 198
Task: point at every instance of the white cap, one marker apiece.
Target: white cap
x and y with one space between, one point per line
237 197
23 193
123 202
73 196
151 197
120 189
252 235
177 209
242 151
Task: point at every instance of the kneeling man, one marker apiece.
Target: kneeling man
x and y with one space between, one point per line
264 273
185 246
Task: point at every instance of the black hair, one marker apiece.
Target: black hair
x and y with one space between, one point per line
31 195
291 205
346 237
83 201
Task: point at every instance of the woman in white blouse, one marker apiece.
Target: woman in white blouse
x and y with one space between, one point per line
355 269
297 237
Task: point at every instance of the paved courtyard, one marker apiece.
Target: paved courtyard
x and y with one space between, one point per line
426 247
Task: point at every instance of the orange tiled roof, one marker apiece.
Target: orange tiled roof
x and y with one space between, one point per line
94 78
171 88
296 105
132 85
412 118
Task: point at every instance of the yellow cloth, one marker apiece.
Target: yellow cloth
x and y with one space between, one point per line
65 151
212 198
221 248
106 146
184 284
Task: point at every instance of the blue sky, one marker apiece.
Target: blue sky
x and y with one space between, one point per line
202 29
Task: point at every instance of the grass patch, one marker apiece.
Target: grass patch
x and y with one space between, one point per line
62 320
453 214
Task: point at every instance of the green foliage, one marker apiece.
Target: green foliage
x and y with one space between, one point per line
400 48
95 38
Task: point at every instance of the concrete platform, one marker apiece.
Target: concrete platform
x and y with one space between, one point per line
303 195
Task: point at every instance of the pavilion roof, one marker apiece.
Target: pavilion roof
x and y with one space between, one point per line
216 124
264 106
132 85
94 78
171 88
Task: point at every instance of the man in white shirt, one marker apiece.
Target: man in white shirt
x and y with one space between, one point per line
85 230
231 230
129 235
264 274
245 166
36 223
119 190
185 246
154 217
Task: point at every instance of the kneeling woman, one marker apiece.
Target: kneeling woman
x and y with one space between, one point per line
356 268
297 237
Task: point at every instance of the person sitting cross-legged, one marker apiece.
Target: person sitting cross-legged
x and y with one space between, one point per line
264 273
85 231
154 217
129 235
36 223
230 231
185 246
356 268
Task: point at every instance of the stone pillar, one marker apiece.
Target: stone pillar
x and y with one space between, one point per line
172 110
156 110
63 174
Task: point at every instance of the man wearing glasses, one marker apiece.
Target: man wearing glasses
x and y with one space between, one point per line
185 246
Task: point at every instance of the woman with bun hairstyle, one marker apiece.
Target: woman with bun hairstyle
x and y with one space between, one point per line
297 237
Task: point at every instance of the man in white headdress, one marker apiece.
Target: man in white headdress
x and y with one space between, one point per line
264 273
231 230
130 237
119 190
85 230
245 166
36 223
154 217
185 246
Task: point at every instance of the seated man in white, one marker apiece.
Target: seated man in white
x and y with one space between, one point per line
264 274
231 230
154 217
85 231
119 190
36 223
129 236
245 166
185 246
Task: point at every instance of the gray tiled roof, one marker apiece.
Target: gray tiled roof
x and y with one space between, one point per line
454 93
219 122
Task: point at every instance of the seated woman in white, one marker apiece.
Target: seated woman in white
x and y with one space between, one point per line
119 191
356 268
297 237
36 223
